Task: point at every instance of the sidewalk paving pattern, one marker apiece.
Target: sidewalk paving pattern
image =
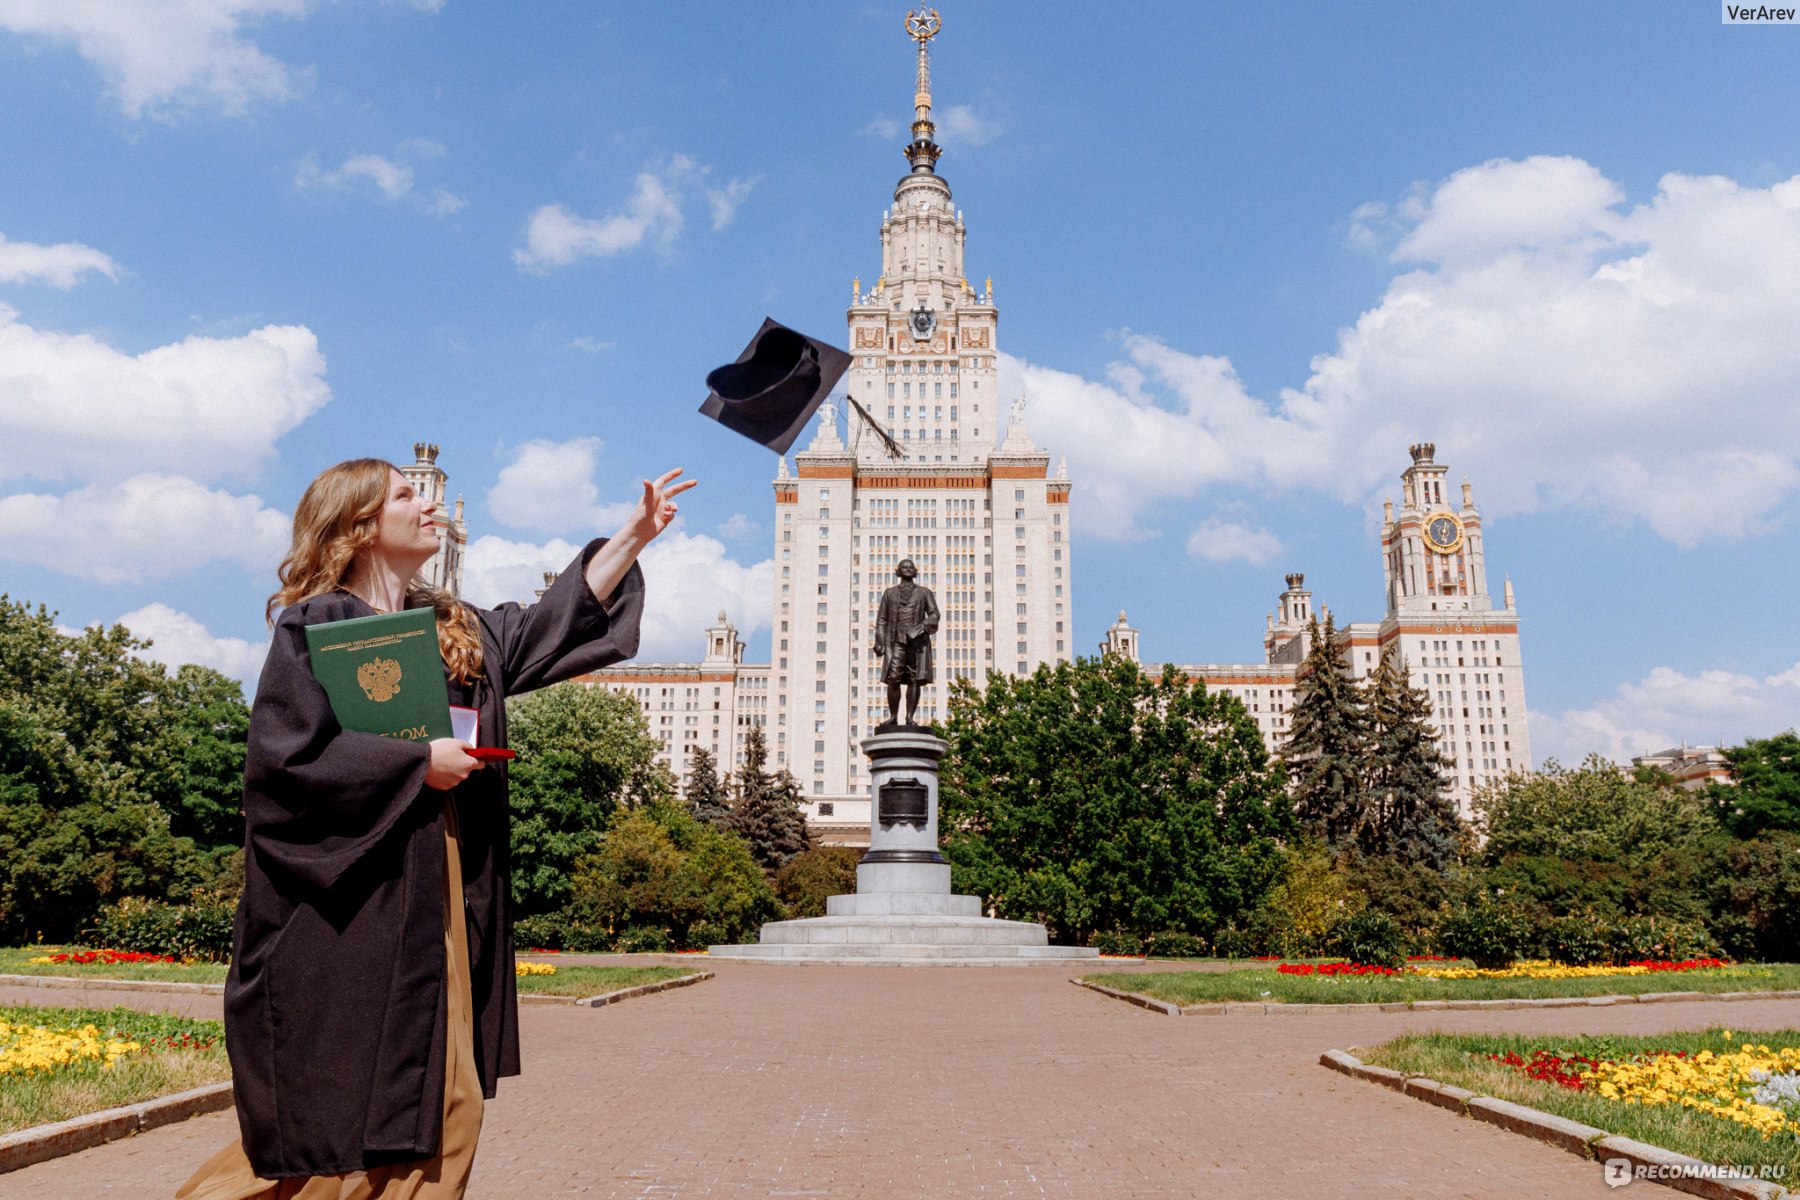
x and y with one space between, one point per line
938 1082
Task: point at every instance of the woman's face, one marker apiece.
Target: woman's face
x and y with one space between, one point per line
405 529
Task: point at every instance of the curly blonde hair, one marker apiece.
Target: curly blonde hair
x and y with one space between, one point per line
337 519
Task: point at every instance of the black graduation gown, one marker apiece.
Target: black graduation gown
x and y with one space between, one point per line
335 1007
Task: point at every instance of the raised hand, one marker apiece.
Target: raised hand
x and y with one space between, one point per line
656 509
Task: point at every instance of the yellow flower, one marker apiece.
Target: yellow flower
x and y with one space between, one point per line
533 968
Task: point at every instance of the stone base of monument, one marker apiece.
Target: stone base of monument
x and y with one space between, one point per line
903 910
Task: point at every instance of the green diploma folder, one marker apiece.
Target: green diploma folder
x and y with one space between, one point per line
384 674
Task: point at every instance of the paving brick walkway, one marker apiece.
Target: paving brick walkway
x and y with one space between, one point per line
973 1082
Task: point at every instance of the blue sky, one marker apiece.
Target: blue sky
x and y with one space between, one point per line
1244 254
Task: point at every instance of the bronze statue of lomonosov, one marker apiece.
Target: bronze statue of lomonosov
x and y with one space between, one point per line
904 623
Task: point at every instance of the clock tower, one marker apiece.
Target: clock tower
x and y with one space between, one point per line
1457 645
1432 551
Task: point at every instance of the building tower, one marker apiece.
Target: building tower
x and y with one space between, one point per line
1288 640
1121 640
985 523
1443 624
445 570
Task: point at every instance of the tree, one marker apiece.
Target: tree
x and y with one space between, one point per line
705 794
584 753
808 880
1595 838
1765 794
1410 815
766 810
110 770
1092 799
659 870
1328 739
209 724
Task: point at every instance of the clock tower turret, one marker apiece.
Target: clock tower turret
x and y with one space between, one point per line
1432 549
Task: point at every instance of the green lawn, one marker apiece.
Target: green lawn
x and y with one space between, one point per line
1267 985
1460 1059
38 1097
595 981
16 960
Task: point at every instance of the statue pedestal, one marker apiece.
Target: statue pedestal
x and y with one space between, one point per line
903 910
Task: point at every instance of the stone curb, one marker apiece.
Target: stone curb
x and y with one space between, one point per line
43 1142
71 983
1583 1141
605 998
1272 1009
1149 1002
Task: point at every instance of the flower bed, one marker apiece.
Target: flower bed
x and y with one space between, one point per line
57 1063
1334 968
106 958
27 1048
95 962
522 969
1717 1095
1544 969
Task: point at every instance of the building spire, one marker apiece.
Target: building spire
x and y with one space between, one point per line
923 153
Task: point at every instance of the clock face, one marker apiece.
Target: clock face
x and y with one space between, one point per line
1443 533
923 322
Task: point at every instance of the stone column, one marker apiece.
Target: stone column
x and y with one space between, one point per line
903 816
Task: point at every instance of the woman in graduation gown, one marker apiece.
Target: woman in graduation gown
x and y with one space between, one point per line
371 1004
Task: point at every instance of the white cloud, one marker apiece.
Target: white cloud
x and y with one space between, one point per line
556 236
960 123
1668 708
1218 540
1561 352
394 180
548 487
724 201
207 407
883 127
496 570
147 526
739 526
165 60
688 580
177 638
60 266
590 345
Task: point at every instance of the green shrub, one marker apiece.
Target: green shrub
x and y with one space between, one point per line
660 869
1632 939
1370 939
643 939
807 879
711 933
1490 935
1233 940
199 929
1117 942
1578 940
1173 943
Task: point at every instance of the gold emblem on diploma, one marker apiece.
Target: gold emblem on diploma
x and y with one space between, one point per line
379 679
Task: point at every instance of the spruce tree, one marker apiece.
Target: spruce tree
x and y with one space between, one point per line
1413 817
765 812
706 797
1328 735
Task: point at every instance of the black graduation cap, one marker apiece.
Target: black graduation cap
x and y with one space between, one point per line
775 386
